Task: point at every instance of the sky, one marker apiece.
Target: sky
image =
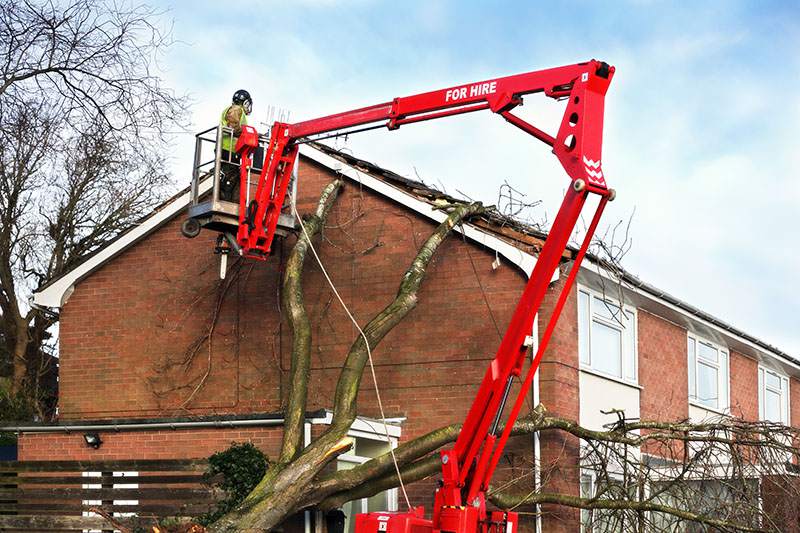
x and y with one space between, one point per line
701 123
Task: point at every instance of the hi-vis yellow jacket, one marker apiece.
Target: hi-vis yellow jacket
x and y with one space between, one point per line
232 117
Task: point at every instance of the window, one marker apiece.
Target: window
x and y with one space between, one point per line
607 520
366 447
721 498
606 336
773 396
708 374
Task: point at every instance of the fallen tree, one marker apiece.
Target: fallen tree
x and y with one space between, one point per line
644 475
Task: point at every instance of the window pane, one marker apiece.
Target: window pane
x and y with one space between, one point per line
372 448
723 382
772 406
630 346
587 491
605 309
707 385
350 510
606 349
692 363
709 353
583 327
773 381
785 405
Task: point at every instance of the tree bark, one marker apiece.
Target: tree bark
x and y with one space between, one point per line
20 353
301 326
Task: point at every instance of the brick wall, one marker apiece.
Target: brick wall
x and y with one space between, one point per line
662 369
743 386
559 393
162 444
663 375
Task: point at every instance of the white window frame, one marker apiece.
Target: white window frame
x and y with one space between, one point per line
784 392
592 475
693 359
585 336
369 430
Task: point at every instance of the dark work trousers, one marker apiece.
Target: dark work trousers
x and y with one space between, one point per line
229 176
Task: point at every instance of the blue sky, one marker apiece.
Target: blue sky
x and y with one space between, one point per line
701 130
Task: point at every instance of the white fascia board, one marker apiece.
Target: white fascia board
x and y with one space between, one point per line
596 270
57 294
364 425
523 260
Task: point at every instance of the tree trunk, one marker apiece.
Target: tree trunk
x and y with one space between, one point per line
301 326
20 356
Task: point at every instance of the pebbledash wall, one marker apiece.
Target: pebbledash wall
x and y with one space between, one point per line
129 321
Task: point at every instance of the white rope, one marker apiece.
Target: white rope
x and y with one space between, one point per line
369 352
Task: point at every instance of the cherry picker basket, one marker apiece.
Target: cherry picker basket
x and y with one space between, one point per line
213 206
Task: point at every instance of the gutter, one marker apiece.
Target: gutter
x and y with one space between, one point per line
69 428
154 424
639 284
636 285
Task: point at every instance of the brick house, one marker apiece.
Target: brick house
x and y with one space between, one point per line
132 312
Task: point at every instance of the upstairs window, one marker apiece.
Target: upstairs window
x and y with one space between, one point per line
708 374
606 336
773 396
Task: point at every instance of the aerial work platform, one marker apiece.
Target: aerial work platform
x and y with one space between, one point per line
214 209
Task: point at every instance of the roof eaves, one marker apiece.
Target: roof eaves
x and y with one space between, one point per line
55 291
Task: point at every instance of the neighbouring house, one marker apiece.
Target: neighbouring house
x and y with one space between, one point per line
134 311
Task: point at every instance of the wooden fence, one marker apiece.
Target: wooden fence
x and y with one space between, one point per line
59 495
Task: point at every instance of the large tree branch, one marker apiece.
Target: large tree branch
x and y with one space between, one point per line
413 472
383 465
300 325
510 500
345 401
267 505
418 463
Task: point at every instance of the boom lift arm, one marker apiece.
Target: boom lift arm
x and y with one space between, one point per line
460 504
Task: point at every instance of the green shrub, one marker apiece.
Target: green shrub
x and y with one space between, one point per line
240 468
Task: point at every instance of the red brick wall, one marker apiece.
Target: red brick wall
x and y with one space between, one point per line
153 301
162 444
743 386
663 372
663 375
559 393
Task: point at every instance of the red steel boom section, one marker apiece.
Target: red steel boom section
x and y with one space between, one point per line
460 504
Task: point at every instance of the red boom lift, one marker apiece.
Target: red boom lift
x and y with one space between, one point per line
460 503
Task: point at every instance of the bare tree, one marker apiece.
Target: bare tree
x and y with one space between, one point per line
82 121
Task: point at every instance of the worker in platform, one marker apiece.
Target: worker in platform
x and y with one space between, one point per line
234 117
